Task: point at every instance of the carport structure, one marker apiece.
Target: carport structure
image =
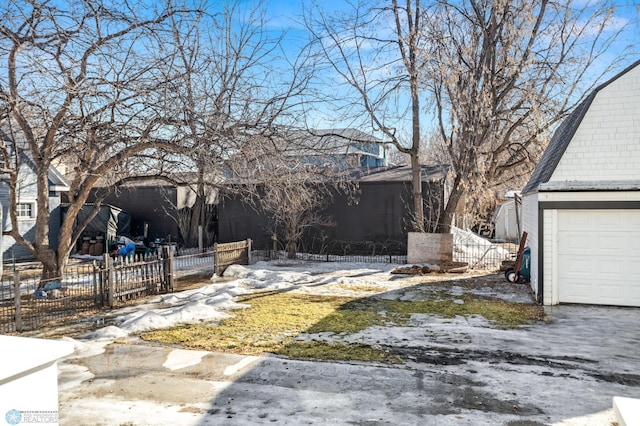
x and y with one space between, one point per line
581 207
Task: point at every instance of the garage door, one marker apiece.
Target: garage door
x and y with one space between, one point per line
598 253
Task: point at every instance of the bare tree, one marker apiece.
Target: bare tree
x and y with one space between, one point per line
375 50
493 75
292 176
80 87
294 208
237 83
502 73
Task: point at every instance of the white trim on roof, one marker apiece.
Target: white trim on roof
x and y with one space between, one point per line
610 185
58 181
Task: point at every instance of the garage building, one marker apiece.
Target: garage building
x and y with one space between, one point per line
581 207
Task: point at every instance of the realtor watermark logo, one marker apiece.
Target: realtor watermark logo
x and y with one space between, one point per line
14 417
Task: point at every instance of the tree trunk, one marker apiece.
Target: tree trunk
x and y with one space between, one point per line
65 245
291 237
418 206
457 191
196 213
43 251
50 266
411 63
291 250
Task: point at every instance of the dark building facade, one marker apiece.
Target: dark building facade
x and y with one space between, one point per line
376 221
151 203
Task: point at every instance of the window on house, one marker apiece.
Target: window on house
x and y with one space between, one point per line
25 210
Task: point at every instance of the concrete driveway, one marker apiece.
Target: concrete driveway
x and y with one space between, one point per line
456 372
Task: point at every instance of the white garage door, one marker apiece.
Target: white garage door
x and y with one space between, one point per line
599 257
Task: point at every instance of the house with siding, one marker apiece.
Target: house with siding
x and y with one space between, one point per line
27 207
343 148
348 148
581 207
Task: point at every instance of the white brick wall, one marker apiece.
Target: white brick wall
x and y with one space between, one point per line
606 146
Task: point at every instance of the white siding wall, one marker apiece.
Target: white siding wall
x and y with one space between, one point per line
550 257
606 146
530 226
27 193
506 225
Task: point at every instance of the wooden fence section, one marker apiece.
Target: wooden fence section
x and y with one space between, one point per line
28 303
131 278
226 254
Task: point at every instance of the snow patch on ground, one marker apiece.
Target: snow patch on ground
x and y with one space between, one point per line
535 378
181 358
216 301
477 251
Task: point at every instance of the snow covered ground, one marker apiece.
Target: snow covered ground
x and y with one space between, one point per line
457 371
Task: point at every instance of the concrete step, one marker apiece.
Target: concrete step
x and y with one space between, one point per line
627 411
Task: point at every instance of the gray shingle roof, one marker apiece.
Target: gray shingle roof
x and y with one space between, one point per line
334 141
562 137
402 174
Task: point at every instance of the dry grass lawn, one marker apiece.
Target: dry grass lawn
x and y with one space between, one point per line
274 320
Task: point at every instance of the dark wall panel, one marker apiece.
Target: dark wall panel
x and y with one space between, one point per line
377 215
148 204
238 221
380 216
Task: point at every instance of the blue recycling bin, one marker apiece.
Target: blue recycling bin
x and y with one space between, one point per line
525 265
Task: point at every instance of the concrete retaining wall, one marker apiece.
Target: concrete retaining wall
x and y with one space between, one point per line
429 248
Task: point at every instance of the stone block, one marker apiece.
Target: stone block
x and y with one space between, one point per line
429 248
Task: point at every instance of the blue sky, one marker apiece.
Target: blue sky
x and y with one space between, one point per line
286 14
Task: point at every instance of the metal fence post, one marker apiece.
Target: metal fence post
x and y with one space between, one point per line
170 263
16 295
94 280
171 268
248 251
274 238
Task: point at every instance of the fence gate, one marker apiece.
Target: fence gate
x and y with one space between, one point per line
133 278
226 254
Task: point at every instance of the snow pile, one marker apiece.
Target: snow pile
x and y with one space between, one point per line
213 303
208 303
266 275
476 251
